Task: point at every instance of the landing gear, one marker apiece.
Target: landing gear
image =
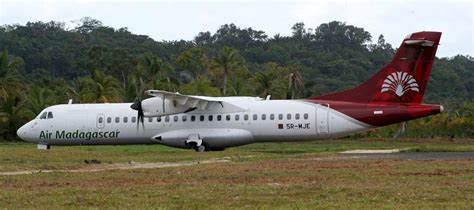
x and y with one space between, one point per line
44 146
201 148
197 144
204 147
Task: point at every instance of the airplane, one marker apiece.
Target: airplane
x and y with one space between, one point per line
393 95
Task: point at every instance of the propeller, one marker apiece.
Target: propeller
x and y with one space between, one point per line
137 105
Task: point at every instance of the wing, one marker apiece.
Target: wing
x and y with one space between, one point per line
188 102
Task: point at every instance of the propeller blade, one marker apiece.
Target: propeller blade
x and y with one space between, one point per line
137 105
163 100
140 115
138 122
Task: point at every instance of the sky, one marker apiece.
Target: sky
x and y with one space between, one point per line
184 19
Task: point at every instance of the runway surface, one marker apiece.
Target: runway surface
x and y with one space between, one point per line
412 156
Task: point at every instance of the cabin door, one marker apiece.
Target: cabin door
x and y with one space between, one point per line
322 119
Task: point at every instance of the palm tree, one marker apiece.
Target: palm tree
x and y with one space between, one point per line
152 64
227 59
11 117
135 85
76 90
240 87
155 74
97 88
9 78
195 61
264 82
295 81
200 86
37 99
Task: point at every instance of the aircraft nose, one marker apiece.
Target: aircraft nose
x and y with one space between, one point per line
22 132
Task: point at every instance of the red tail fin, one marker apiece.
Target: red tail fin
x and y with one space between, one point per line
403 80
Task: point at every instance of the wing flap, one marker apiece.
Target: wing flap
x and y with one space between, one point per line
198 102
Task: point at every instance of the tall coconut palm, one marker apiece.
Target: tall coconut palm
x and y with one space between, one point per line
76 89
241 86
9 78
194 60
155 74
37 99
227 59
295 81
11 117
152 64
99 88
200 86
135 85
264 83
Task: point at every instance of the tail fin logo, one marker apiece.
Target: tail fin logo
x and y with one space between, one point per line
399 83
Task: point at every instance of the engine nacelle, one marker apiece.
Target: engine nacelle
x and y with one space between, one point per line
156 106
216 138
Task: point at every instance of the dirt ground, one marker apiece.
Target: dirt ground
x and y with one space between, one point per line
116 166
265 176
294 182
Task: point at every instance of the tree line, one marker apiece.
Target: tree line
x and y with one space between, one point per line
46 63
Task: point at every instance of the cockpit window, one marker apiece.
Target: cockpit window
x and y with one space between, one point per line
50 115
43 115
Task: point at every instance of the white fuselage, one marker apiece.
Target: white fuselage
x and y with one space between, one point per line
261 121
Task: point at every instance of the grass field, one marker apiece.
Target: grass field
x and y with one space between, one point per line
268 176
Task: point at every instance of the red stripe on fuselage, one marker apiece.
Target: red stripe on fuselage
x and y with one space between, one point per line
380 114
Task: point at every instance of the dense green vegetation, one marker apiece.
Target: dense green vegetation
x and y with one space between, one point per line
45 63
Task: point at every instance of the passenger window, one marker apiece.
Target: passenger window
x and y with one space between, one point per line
255 117
43 115
175 118
219 117
297 116
101 119
158 119
201 117
272 117
134 119
210 117
109 119
246 117
237 117
305 116
227 117
125 119
167 118
184 118
193 118
117 119
288 116
50 115
280 116
264 116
